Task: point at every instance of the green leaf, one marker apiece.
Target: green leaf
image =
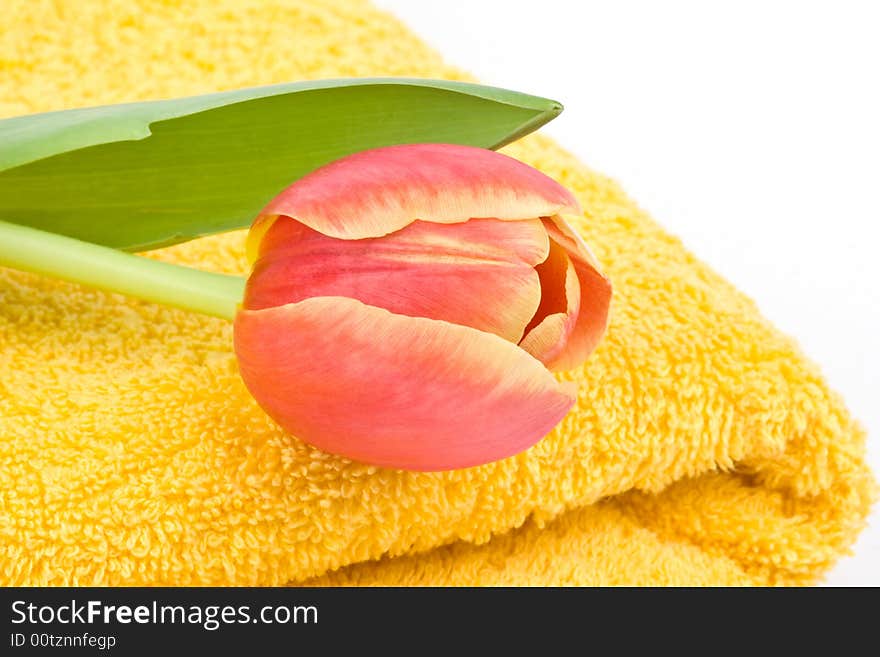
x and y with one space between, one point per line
144 175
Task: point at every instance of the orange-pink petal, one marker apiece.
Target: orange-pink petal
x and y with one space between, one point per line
480 273
552 325
379 191
595 297
395 391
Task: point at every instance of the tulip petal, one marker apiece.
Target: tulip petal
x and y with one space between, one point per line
554 321
379 191
480 273
595 297
395 391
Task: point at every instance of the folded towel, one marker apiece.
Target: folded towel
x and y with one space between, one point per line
704 448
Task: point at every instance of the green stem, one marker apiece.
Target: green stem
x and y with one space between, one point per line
104 268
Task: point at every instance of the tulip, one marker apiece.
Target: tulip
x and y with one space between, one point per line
407 307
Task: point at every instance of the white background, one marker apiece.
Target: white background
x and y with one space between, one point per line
749 129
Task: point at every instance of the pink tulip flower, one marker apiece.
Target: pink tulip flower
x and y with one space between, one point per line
408 304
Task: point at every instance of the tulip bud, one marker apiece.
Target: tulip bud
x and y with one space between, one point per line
407 305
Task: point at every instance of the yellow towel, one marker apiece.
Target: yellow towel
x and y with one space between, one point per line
704 448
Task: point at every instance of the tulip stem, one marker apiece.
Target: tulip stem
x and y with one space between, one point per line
50 254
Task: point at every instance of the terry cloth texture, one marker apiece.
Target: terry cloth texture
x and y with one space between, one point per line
704 448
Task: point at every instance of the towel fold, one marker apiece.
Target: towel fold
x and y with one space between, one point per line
704 448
